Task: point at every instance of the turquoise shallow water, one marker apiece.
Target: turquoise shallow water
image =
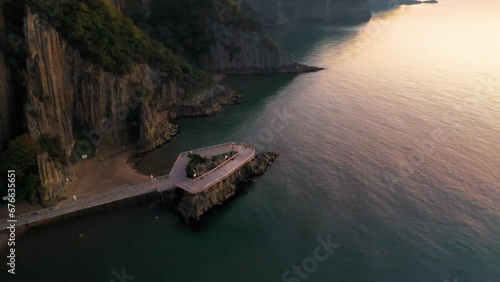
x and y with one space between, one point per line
392 153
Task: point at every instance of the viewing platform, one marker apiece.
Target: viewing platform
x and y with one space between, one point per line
238 155
243 154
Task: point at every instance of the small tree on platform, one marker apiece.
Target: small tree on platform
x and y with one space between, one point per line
194 161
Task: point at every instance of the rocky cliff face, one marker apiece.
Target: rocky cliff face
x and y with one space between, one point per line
6 101
273 12
73 99
6 94
52 179
193 206
236 51
86 107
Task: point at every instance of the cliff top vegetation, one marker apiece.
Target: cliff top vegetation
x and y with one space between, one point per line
101 33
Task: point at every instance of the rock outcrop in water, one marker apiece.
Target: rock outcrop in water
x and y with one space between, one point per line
193 206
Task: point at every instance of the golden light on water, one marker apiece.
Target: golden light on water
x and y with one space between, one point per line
416 70
465 34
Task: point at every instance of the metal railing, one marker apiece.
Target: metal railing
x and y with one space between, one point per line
214 169
207 148
214 146
108 197
232 170
120 193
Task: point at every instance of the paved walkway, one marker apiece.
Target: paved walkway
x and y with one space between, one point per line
176 178
245 153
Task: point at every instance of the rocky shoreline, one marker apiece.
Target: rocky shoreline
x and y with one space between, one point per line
207 103
291 69
193 206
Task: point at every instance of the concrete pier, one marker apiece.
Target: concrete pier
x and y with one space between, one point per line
175 179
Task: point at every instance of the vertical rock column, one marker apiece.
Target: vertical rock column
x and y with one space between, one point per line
49 105
51 179
6 94
6 102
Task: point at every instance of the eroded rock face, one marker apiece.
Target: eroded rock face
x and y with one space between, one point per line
69 97
193 206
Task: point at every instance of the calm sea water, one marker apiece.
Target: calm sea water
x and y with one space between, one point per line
392 152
